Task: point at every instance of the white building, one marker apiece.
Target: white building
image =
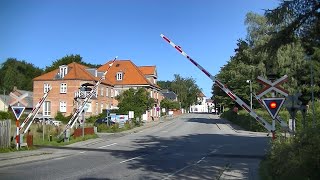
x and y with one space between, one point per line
201 106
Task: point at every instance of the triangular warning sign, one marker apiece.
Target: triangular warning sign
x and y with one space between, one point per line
273 105
17 111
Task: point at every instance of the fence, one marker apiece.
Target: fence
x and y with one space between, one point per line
5 128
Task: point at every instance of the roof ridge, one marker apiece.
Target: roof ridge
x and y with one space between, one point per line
85 71
141 73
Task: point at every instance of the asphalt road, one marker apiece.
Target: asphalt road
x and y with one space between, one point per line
195 146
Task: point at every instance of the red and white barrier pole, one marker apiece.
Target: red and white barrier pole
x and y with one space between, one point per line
222 86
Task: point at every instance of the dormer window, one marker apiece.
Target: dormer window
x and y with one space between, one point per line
63 70
119 76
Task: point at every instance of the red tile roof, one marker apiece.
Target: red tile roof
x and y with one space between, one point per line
201 95
76 71
131 73
148 70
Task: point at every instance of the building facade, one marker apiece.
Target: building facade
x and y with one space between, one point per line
71 82
66 82
201 105
124 74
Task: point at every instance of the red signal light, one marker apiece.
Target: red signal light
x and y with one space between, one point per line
273 105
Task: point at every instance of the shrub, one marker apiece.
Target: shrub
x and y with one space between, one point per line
60 117
294 158
5 115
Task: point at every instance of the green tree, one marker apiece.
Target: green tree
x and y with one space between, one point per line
186 90
138 101
18 73
67 60
251 61
169 104
165 85
295 19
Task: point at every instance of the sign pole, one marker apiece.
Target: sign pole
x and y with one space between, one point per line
17 111
18 135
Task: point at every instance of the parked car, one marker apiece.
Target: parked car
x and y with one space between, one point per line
104 120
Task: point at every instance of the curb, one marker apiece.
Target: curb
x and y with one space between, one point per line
25 160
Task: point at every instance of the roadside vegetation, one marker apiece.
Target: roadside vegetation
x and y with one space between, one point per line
282 41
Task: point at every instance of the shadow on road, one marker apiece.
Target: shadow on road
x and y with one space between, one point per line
202 156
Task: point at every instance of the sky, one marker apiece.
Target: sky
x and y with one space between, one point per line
41 32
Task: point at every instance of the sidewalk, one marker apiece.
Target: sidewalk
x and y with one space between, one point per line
24 157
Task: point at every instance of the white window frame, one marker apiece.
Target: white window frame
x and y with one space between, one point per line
101 107
46 87
47 108
63 106
97 108
151 94
119 76
111 92
101 91
63 71
107 92
63 88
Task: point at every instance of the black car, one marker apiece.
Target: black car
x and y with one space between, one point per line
104 120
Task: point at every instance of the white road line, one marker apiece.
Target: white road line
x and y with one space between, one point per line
108 145
81 152
168 177
59 158
201 160
214 151
132 158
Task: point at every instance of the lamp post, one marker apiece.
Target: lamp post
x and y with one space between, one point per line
250 82
312 92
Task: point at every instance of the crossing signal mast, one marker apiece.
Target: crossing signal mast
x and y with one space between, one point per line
79 110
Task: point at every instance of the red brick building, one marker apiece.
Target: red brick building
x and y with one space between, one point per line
124 74
67 80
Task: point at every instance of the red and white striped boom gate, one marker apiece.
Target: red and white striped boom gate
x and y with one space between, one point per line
34 112
223 87
76 114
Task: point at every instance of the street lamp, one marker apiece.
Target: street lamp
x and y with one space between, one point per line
250 82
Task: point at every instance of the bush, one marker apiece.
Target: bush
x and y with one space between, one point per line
60 117
294 158
5 115
244 120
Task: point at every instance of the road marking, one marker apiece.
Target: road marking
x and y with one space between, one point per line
108 145
132 158
214 150
218 126
81 152
59 158
201 160
168 177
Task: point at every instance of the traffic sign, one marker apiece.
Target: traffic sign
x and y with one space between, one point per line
272 86
18 99
273 105
17 111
